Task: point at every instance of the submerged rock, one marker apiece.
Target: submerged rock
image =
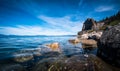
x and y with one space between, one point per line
54 46
74 41
51 54
11 67
23 57
86 43
109 45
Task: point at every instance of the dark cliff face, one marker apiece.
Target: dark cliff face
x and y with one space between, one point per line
109 45
89 24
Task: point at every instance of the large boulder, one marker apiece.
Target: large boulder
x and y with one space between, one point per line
74 63
109 45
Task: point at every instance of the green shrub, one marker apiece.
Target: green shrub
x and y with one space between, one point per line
89 31
114 22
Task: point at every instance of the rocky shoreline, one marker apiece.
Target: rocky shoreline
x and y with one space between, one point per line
109 45
106 40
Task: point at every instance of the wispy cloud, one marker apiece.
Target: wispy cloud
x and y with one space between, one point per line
31 30
64 23
54 26
104 8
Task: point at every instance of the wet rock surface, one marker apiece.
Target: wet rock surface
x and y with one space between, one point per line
109 45
26 54
74 63
54 61
86 43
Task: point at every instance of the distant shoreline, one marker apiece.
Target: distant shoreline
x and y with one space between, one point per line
38 35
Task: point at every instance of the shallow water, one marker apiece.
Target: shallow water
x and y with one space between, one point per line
12 44
28 50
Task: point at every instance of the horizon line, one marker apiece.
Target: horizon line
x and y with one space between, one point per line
37 35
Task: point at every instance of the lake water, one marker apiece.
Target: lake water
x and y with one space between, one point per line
11 44
18 46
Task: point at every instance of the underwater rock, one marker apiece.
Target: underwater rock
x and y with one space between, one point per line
36 53
54 46
51 54
74 41
86 43
23 57
26 54
11 67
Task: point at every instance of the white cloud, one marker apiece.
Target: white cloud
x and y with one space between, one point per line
63 22
104 8
54 26
31 30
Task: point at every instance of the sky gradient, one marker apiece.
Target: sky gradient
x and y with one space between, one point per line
51 17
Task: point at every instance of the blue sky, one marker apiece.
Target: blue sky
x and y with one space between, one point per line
51 17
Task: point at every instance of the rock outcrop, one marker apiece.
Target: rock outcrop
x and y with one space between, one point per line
89 24
109 45
90 35
90 29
